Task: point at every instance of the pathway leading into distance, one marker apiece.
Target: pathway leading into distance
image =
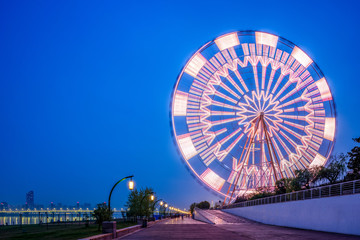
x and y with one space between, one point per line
231 227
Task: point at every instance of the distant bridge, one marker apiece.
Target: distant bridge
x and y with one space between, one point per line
48 210
48 215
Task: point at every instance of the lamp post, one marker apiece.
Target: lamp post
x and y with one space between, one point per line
152 197
153 207
166 205
131 187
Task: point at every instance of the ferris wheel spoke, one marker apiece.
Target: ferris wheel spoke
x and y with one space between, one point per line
285 147
219 94
272 74
263 77
224 86
229 78
293 133
222 113
224 105
222 121
278 81
241 80
256 79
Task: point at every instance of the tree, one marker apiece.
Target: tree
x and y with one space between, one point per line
102 213
354 162
260 192
283 185
241 198
303 178
335 168
203 205
133 203
139 203
315 171
146 204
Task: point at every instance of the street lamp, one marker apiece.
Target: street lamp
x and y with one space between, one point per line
153 207
152 197
131 184
131 187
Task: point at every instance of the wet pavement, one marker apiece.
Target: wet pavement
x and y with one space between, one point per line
228 227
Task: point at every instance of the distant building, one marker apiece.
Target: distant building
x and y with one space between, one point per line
30 199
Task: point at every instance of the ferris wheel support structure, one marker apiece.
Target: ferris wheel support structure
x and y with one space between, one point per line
259 119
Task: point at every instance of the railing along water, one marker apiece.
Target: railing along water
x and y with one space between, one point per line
344 188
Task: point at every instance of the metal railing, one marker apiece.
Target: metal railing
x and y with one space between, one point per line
339 189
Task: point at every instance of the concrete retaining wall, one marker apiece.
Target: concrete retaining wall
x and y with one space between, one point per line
200 217
334 214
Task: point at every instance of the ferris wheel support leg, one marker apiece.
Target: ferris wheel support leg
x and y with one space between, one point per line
268 146
238 173
246 156
273 149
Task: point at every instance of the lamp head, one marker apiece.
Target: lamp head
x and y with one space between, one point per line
131 184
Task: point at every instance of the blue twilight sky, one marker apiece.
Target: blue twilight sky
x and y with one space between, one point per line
86 85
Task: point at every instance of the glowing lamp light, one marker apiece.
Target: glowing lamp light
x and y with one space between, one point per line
152 197
161 203
131 185
166 205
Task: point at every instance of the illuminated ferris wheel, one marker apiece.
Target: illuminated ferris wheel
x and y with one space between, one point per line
250 108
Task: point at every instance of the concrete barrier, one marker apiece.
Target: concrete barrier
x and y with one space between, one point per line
201 217
333 214
124 231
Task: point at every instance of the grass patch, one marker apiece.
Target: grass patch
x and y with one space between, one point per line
56 232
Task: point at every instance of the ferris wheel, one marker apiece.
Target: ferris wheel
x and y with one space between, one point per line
250 108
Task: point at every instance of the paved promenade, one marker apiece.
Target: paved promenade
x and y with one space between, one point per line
237 228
